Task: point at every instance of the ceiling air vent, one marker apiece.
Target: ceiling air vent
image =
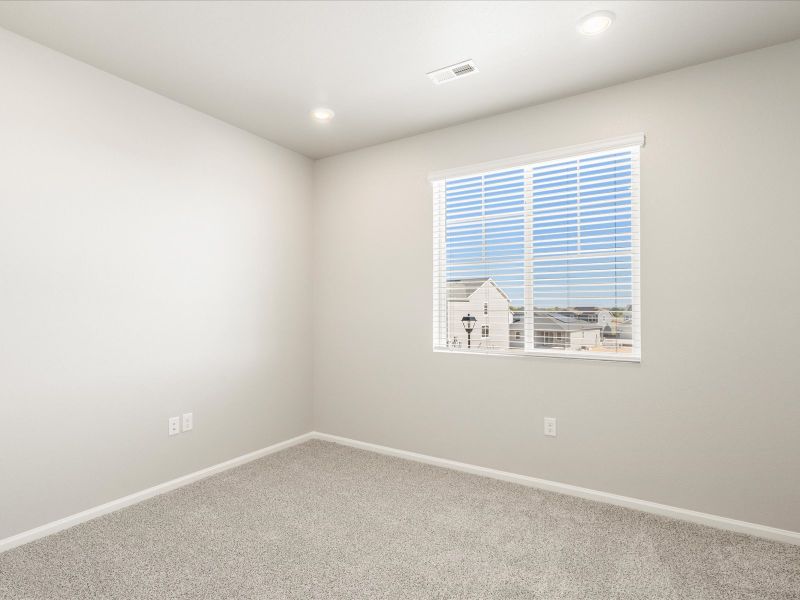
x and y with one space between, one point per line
453 72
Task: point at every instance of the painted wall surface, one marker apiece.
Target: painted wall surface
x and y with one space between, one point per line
709 420
153 261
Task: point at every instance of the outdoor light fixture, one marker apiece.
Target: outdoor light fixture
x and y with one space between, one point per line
596 22
323 115
469 324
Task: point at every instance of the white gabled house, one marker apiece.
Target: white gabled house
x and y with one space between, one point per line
482 298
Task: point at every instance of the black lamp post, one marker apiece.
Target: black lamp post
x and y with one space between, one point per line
469 324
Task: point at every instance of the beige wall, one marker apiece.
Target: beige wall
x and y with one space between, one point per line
153 260
709 419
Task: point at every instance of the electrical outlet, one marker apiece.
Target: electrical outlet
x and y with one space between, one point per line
188 421
174 425
550 426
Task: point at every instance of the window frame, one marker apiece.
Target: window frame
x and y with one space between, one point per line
438 179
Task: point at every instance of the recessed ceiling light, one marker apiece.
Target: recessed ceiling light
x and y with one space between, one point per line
596 22
322 114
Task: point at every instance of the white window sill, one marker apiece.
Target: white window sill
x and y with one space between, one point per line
605 356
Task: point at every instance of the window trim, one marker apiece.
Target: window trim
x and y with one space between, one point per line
545 354
439 177
636 139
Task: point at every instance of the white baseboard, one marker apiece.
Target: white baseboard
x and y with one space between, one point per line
762 531
86 515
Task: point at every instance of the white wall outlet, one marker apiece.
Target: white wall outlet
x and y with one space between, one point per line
550 426
174 425
188 421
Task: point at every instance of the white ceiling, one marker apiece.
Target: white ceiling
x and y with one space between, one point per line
263 65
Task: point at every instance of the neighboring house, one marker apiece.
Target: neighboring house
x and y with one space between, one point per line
516 330
600 316
497 326
488 303
622 336
559 331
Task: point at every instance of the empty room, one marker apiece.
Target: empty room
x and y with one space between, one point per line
403 300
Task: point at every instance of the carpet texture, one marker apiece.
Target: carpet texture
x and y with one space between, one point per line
324 521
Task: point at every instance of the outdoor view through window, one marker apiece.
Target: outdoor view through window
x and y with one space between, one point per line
540 258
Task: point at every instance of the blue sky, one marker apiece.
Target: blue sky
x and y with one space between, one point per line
581 231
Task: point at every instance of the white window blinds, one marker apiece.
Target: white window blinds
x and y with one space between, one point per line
540 254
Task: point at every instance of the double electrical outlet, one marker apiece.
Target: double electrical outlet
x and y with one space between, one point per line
175 423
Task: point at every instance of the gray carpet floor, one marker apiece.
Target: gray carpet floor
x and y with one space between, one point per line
323 521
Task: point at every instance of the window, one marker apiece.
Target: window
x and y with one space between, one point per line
552 240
